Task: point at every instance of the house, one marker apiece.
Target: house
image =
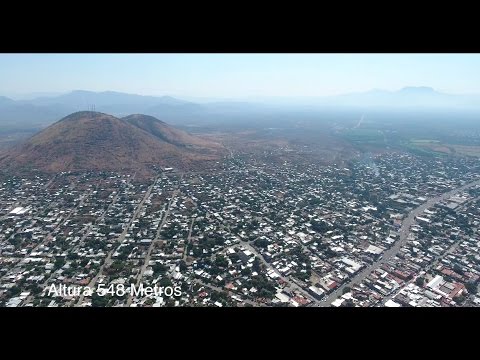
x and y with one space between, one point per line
316 292
391 303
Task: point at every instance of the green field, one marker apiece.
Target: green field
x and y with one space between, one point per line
428 147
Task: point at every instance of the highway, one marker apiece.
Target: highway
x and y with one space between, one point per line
403 238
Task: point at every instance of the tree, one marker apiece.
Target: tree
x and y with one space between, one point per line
59 262
159 268
264 293
346 289
115 268
459 299
261 243
420 281
182 265
246 271
471 287
220 261
458 269
164 282
72 256
99 301
35 289
15 290
84 262
256 265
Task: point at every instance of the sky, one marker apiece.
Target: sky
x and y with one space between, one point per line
236 75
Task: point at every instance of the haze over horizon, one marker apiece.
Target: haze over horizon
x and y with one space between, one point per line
240 180
235 76
207 99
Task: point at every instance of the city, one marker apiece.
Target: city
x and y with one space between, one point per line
396 230
316 181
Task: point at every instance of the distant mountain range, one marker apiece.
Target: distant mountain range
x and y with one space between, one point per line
42 111
422 97
96 141
45 110
408 97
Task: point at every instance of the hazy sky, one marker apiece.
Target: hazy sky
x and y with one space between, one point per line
237 75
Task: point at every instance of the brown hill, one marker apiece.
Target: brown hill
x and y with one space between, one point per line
95 141
165 132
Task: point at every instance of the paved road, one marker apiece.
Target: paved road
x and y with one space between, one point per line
447 252
188 239
285 279
150 248
50 182
450 250
119 240
87 231
48 237
404 231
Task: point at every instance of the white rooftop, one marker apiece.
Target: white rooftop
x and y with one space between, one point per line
391 303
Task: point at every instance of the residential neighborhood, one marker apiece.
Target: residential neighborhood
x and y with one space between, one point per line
385 230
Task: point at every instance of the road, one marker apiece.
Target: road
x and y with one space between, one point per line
359 122
87 231
119 240
403 238
434 263
285 279
150 248
188 239
48 237
450 250
27 202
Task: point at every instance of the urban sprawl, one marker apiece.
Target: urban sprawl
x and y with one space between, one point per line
392 229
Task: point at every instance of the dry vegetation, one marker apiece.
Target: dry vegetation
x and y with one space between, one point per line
95 141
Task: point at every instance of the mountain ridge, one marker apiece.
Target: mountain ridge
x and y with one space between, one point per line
163 131
97 141
39 112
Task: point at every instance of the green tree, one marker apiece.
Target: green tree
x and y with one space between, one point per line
159 268
164 282
220 261
471 287
458 269
182 265
99 301
59 262
420 281
15 290
261 243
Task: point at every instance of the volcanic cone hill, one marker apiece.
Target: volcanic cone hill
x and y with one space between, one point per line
95 141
